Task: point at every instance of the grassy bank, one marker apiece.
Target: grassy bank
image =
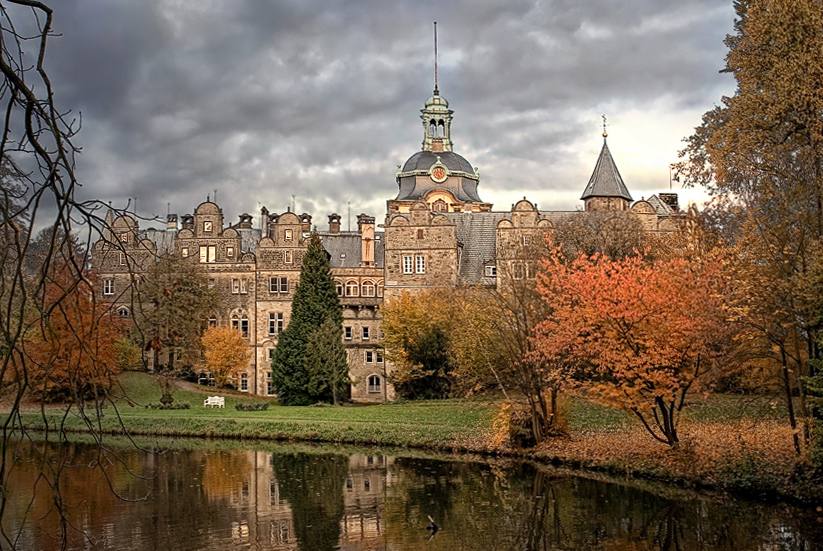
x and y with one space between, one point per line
728 442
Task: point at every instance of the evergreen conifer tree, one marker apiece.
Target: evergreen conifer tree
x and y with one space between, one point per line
315 301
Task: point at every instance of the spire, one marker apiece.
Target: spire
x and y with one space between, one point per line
436 91
606 180
436 115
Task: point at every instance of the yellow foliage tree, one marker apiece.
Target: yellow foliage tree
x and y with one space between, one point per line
226 353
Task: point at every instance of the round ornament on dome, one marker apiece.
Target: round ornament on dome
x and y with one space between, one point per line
438 172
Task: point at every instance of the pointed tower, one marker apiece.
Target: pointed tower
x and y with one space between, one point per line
606 190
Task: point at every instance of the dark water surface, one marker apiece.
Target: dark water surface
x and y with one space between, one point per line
299 497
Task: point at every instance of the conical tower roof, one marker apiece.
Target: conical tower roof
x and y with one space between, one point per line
606 180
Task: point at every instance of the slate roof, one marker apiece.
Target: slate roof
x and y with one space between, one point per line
606 180
164 240
423 160
345 249
658 205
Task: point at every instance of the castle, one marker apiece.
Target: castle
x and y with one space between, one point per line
438 231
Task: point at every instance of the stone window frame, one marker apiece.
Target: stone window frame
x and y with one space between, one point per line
369 356
374 384
229 251
184 252
367 288
208 226
288 235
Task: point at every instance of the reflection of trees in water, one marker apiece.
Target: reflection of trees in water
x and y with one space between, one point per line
528 508
313 486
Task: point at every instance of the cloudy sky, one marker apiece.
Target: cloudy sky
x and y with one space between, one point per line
319 99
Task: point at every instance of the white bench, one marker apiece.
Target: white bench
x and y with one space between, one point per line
214 402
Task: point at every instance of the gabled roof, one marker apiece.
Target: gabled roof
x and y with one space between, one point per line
606 180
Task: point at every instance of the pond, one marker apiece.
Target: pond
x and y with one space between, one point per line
221 496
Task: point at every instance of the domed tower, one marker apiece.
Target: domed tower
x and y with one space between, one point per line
606 190
441 178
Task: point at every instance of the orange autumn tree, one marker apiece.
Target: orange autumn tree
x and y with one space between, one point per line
635 334
71 340
226 353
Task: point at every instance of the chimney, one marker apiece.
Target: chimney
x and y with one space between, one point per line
365 227
188 222
245 221
334 223
264 222
670 199
171 222
305 222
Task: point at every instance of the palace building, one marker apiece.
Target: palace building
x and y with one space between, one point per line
438 231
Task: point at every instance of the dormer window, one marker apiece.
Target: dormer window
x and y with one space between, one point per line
207 227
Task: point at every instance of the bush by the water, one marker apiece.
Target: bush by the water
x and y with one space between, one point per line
176 405
251 406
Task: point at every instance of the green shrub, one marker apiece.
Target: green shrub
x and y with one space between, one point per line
251 406
748 472
178 405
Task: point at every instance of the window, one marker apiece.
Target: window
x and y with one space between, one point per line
380 288
527 239
369 357
491 271
108 286
235 286
287 257
235 323
208 253
278 284
244 326
419 234
378 357
408 265
124 237
212 321
420 264
122 259
244 286
365 333
351 288
374 383
229 251
271 357
207 226
244 382
123 312
287 235
517 270
269 388
211 283
347 333
368 289
275 323
339 286
184 251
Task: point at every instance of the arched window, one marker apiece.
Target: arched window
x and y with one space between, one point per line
380 288
339 286
441 129
440 206
432 128
212 321
368 289
351 288
375 383
123 312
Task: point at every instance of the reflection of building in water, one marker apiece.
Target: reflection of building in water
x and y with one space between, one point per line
265 518
365 499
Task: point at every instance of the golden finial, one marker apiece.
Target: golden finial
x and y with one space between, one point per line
605 134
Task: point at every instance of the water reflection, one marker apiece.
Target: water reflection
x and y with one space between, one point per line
317 500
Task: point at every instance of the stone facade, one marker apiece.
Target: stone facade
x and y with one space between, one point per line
437 232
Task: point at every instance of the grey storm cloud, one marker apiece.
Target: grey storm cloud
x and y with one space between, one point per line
265 100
